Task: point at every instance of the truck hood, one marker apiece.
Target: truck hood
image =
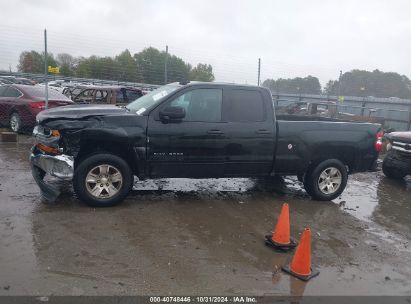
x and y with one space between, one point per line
400 136
79 111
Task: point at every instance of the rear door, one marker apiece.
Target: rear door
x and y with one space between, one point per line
8 102
194 146
250 131
3 105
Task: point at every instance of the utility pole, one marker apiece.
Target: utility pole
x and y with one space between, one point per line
46 93
259 70
339 85
165 66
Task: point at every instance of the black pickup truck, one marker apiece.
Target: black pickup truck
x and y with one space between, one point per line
195 130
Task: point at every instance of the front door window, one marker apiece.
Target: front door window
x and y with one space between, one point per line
201 105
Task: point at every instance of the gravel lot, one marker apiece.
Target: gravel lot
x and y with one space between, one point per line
201 237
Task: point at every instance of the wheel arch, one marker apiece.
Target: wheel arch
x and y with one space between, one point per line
120 149
344 154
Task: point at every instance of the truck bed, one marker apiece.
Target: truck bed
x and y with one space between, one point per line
302 140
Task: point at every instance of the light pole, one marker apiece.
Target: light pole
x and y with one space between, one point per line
362 89
46 93
165 66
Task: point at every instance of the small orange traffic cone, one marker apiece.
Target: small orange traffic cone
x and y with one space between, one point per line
300 266
280 238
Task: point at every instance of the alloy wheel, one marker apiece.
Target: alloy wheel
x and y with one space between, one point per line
104 181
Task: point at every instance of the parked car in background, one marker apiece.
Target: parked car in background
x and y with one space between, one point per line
16 80
25 81
19 105
293 108
72 91
397 162
108 95
7 79
56 85
327 109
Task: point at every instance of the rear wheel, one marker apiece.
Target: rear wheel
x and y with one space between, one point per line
102 180
15 122
327 180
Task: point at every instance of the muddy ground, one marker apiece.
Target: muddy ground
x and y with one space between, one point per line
189 237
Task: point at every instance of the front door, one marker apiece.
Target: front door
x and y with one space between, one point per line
193 146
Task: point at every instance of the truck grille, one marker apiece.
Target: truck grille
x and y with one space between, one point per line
401 146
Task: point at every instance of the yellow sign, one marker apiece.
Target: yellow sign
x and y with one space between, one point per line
54 70
341 98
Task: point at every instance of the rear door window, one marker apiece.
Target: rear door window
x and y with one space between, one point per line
12 92
2 91
245 106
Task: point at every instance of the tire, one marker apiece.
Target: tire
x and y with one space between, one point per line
102 180
15 122
319 187
390 170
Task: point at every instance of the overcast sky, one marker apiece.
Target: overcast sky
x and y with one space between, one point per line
292 38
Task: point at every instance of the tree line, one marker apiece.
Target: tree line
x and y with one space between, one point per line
375 83
306 85
147 66
352 83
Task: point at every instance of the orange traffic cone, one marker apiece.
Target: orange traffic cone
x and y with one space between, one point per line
300 265
280 238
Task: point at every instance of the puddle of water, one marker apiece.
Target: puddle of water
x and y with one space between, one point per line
187 185
373 198
360 197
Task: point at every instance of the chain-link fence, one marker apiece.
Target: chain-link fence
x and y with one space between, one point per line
21 101
393 113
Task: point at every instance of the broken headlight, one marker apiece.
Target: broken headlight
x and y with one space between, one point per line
47 140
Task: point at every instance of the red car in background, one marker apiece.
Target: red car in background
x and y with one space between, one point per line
19 105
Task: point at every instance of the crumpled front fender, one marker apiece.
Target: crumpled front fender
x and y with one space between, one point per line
61 166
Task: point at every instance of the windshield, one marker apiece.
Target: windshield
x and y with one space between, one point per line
149 100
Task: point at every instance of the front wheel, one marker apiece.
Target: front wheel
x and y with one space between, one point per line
327 180
15 122
102 180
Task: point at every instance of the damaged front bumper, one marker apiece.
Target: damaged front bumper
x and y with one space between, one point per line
60 166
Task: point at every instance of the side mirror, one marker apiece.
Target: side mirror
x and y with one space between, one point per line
172 113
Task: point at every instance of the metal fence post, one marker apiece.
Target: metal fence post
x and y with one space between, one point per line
165 66
46 93
409 120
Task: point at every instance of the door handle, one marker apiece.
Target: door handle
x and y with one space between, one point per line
263 132
215 132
